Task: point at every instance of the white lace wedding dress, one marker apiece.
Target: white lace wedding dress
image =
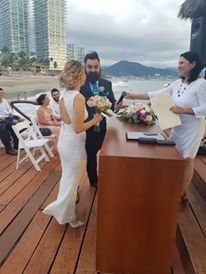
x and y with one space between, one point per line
71 147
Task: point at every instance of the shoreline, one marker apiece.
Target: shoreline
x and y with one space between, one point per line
26 86
21 87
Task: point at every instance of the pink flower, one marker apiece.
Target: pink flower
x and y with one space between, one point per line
143 117
138 113
139 107
143 111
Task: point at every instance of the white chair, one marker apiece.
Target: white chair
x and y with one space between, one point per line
39 134
1 145
29 141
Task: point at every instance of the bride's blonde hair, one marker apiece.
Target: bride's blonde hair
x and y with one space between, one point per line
71 74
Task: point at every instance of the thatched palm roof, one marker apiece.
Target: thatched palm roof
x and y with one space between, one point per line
192 9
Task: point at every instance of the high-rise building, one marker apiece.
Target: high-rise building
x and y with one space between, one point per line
14 25
32 47
50 32
75 52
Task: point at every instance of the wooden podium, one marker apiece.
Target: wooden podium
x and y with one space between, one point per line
138 201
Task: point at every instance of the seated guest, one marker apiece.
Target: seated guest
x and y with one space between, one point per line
6 122
54 103
45 115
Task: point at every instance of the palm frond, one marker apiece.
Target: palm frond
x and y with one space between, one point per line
192 9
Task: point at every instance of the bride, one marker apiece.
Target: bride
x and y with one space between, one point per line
71 144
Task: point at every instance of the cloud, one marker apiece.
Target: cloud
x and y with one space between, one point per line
143 31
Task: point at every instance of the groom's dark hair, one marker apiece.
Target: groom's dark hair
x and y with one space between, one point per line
92 55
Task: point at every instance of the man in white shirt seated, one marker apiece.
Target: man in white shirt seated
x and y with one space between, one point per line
6 121
54 103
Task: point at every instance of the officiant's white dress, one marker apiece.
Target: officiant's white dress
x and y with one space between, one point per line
188 136
71 147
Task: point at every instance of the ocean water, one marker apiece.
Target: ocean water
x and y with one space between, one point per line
118 86
137 85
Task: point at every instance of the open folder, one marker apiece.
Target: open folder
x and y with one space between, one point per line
161 105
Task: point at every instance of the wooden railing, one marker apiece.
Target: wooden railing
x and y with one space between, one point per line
13 105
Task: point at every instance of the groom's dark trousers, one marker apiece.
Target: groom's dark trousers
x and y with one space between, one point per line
94 139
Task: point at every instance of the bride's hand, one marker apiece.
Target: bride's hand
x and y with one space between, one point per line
97 117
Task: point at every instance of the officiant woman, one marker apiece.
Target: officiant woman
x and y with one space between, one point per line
189 96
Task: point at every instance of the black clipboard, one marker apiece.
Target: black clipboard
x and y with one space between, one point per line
149 138
155 141
134 135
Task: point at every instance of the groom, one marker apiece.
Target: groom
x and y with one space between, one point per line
95 85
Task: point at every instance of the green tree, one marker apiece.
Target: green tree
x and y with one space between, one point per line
5 54
13 58
32 60
5 63
23 60
55 65
5 50
46 62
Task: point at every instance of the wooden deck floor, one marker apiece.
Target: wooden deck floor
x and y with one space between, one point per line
31 242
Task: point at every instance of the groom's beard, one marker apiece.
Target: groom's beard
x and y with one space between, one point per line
93 77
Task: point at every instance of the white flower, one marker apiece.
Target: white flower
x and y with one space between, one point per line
149 118
147 108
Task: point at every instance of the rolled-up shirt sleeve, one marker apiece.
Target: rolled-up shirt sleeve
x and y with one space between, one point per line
200 110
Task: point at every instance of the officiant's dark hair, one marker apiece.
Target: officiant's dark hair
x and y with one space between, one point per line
192 56
91 55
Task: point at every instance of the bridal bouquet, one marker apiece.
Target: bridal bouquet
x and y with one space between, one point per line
100 104
138 114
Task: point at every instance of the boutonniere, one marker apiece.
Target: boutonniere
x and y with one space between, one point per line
101 89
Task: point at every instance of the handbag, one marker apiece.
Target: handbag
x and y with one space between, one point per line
46 131
202 150
202 147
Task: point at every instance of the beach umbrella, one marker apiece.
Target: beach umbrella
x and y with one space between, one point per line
192 9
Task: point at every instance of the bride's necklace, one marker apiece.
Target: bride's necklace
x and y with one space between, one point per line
182 89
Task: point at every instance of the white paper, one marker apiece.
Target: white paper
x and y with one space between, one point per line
161 105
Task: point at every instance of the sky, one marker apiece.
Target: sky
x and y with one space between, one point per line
144 31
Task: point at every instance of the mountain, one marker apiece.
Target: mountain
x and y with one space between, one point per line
126 68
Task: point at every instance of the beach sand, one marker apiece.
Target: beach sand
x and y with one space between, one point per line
25 86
